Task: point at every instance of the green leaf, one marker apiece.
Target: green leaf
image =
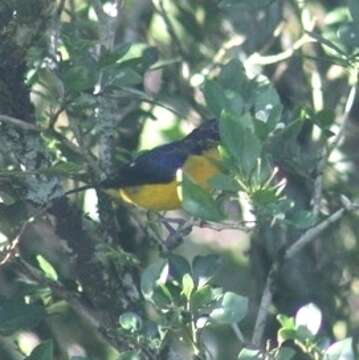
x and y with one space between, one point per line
224 182
187 286
111 57
54 85
79 78
179 266
324 118
341 350
153 276
302 219
204 268
130 355
47 268
6 199
149 56
286 334
285 353
202 298
267 109
239 139
286 321
233 308
233 76
44 351
130 321
310 317
249 354
303 334
198 202
215 97
16 315
119 76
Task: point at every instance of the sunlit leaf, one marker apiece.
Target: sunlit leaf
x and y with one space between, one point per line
341 350
232 309
129 355
178 266
47 268
204 268
215 97
198 202
249 354
285 353
187 286
238 137
44 351
303 219
111 57
130 321
154 275
310 317
224 182
204 297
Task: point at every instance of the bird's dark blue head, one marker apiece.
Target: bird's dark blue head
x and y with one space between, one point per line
203 137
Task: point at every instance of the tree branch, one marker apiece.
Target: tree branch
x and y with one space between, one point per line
258 59
89 315
309 236
18 123
318 183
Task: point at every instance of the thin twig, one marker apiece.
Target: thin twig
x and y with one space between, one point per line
170 29
266 301
144 97
344 120
18 123
10 250
312 233
238 333
309 236
311 71
258 59
60 7
245 226
21 124
89 315
60 291
326 152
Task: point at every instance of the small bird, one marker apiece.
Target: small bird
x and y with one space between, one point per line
151 182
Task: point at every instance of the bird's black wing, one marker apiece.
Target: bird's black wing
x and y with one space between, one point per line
160 164
152 167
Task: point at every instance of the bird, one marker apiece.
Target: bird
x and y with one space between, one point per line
151 180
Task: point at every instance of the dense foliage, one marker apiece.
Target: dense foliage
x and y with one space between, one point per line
264 265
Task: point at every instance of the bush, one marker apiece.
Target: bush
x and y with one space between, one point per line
263 264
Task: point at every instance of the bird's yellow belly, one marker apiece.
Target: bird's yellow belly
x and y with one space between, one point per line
200 168
152 196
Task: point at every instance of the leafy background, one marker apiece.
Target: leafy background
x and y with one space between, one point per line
87 84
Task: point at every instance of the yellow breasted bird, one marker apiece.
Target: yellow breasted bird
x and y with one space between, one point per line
150 180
